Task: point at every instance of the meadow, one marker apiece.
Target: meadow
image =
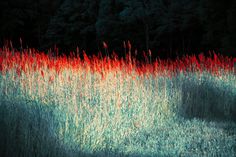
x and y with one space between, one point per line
70 106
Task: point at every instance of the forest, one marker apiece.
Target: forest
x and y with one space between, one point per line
167 27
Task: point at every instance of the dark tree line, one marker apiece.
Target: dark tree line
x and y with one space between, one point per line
166 26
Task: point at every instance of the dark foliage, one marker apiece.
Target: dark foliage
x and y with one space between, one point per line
163 26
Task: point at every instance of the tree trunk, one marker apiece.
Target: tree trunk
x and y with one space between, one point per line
147 36
170 44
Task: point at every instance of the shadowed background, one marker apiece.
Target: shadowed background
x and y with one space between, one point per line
167 27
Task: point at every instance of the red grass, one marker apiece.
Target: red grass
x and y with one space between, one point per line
31 60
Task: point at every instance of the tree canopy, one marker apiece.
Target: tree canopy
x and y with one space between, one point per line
169 26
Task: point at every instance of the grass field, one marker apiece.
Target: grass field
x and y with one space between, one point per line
72 107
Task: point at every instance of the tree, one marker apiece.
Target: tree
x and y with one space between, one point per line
12 17
108 25
141 15
178 25
214 19
230 37
73 24
26 19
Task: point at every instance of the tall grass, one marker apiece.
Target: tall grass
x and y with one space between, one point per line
68 106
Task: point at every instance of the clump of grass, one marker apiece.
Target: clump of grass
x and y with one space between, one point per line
66 106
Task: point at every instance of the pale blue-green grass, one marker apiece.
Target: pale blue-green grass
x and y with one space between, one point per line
187 115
